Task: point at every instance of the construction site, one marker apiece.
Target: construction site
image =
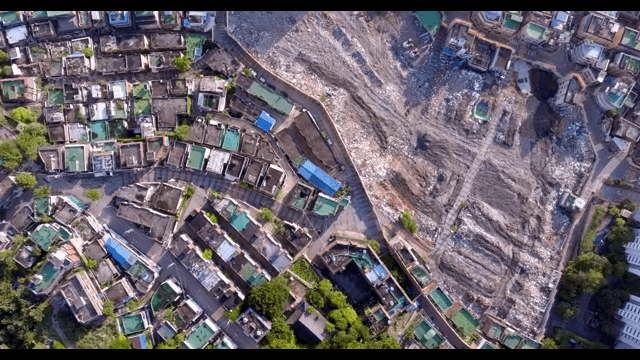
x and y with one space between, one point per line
480 165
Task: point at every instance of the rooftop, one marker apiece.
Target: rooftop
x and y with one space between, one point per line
176 156
120 292
318 178
167 293
431 20
132 155
217 160
196 158
166 41
273 99
235 166
156 224
169 110
105 271
133 323
167 198
201 334
426 334
82 297
43 236
231 140
463 320
630 39
75 158
536 31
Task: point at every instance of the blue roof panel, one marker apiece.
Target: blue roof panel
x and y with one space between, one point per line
318 178
265 121
123 256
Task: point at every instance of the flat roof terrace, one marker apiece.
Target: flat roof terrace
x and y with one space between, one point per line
155 222
442 300
75 158
463 320
196 157
44 236
231 140
131 324
176 154
201 334
427 335
273 99
215 133
167 198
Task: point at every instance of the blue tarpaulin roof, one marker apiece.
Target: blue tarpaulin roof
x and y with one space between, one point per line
143 341
318 178
123 256
265 121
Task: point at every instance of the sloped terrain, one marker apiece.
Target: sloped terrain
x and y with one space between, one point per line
408 126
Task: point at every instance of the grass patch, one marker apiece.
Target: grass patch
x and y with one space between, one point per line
562 338
304 270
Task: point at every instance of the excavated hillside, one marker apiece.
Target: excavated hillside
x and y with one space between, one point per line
407 124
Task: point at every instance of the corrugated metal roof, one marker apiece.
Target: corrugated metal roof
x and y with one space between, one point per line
265 121
123 256
318 178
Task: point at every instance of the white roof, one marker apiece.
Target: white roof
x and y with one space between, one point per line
217 160
99 111
562 16
16 34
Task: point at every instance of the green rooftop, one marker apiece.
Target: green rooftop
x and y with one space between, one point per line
496 331
117 129
431 20
64 234
247 270
239 221
13 89
536 31
512 21
481 110
39 14
141 91
41 207
58 13
298 201
193 43
427 335
196 157
74 158
273 99
325 206
131 324
257 279
144 13
487 346
141 107
630 39
120 110
199 336
633 64
463 320
10 17
169 17
421 275
512 341
441 299
48 273
163 297
231 140
137 269
55 96
99 131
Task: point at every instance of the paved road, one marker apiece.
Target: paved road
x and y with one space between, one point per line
171 267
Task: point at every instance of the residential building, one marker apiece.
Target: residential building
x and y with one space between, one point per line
601 28
535 33
199 20
171 20
318 178
77 157
254 325
54 268
132 155
119 19
587 53
308 323
19 89
82 297
120 292
624 64
274 178
166 295
166 41
201 334
265 121
629 314
615 92
186 313
147 19
156 225
51 157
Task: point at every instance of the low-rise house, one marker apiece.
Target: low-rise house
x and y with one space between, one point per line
161 61
169 111
143 272
254 325
171 20
108 65
74 93
601 27
17 35
624 64
24 256
134 323
77 132
274 178
265 121
217 161
43 30
125 43
78 64
255 172
235 167
177 155
615 92
199 20
214 134
19 90
318 178
132 155
105 272
186 313
54 268
308 323
156 225
166 41
120 292
167 294
119 19
147 19
82 297
200 335
76 158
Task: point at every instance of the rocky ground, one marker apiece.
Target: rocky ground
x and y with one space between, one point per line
408 126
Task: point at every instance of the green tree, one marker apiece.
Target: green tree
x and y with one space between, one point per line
324 286
343 317
269 298
120 343
58 345
548 343
4 58
614 211
91 264
337 300
23 115
281 336
31 138
207 254
10 154
212 217
267 214
315 298
26 180
181 132
189 190
567 310
169 315
384 342
408 223
586 273
374 245
6 71
182 63
107 308
329 327
87 52
93 194
628 205
42 191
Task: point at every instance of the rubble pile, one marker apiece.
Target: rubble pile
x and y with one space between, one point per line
412 136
